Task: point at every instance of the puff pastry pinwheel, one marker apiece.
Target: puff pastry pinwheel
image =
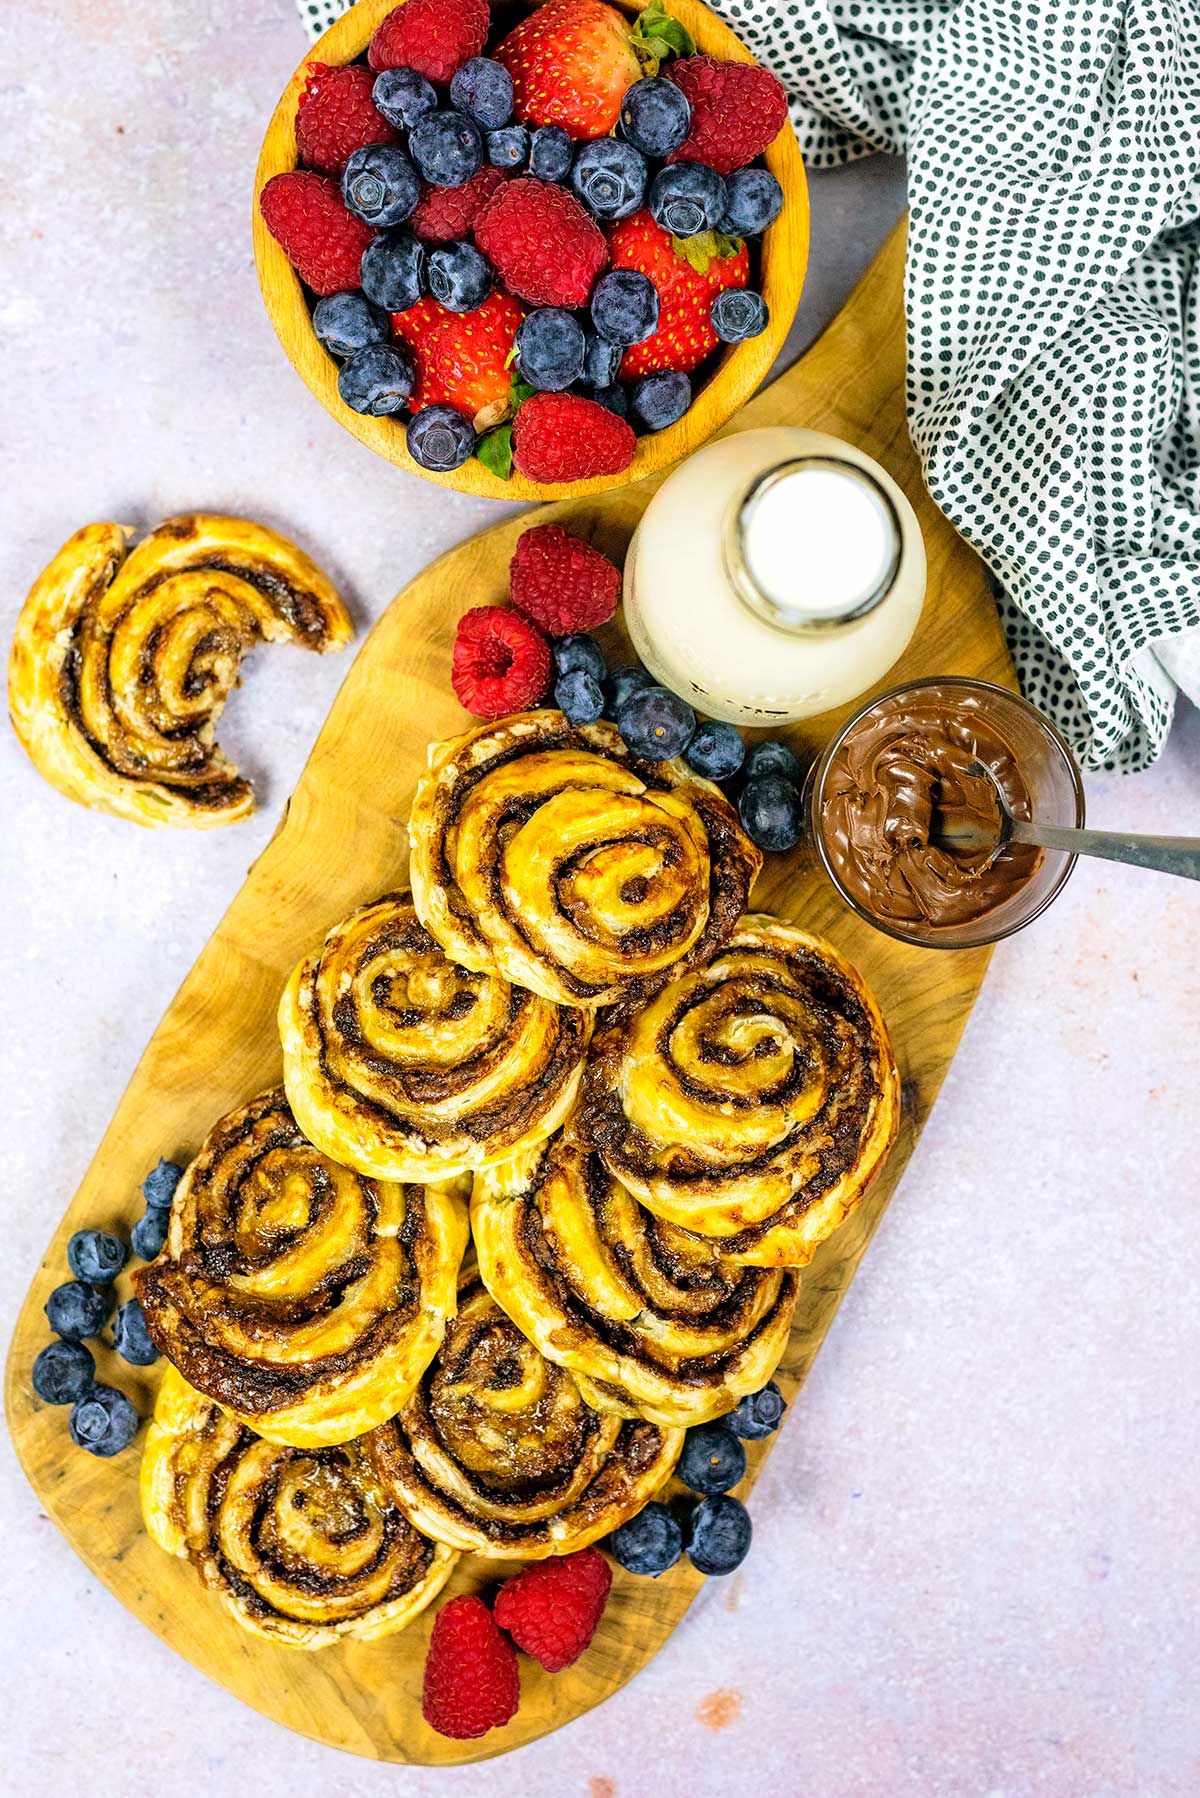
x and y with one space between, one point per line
552 856
649 1318
753 1100
122 660
302 1546
401 1064
305 1299
498 1453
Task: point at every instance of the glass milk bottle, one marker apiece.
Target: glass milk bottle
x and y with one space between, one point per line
775 574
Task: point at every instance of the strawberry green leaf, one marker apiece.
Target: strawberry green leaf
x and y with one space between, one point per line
521 390
698 251
656 35
495 451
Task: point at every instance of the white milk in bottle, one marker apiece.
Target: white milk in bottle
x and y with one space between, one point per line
774 574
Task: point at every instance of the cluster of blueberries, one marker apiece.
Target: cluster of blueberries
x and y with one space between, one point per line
658 725
714 1534
103 1419
612 178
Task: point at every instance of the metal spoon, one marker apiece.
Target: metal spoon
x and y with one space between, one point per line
1169 855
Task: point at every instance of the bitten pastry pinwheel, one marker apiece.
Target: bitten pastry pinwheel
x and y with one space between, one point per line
399 1063
122 660
302 1546
649 1318
549 854
498 1453
753 1100
305 1299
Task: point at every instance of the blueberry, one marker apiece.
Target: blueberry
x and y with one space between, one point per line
601 360
377 380
655 723
551 152
439 438
770 811
550 348
621 683
150 1232
103 1421
713 1459
716 751
582 652
655 116
380 185
687 197
96 1256
610 178
720 1534
661 400
392 270
759 1414
403 97
738 313
579 696
158 1188
447 148
625 307
63 1372
460 276
649 1543
131 1339
508 149
345 322
753 200
613 398
774 758
483 89
76 1311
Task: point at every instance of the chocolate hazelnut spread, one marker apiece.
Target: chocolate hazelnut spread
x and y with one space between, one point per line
899 782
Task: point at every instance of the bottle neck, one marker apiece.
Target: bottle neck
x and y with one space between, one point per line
812 545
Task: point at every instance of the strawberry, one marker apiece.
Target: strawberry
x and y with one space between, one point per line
336 116
685 335
431 36
321 239
541 242
737 110
571 62
501 663
564 437
446 213
463 357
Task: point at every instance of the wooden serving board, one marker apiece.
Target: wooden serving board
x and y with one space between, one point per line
341 842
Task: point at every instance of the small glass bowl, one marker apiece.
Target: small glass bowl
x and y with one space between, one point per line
1055 791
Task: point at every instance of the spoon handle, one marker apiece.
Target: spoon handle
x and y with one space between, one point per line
1169 855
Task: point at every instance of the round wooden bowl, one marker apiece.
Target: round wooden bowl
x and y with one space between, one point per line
736 373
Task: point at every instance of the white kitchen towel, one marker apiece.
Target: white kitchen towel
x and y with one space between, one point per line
1053 303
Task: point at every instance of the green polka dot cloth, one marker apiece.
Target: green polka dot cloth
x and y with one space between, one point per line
1053 300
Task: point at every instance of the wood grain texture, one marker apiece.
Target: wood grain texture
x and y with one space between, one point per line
737 372
341 842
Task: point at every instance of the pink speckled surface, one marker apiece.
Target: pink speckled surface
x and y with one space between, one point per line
975 1567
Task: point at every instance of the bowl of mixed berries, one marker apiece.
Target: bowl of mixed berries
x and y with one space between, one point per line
531 253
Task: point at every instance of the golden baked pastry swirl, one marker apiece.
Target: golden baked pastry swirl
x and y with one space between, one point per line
302 1546
122 661
554 857
753 1100
649 1318
399 1063
498 1453
305 1299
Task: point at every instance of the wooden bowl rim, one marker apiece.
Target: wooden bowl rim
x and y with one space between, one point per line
739 372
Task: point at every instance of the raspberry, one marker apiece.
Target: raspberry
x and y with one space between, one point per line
501 663
472 1682
564 437
444 214
431 36
321 239
337 116
542 242
551 1609
564 585
737 110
